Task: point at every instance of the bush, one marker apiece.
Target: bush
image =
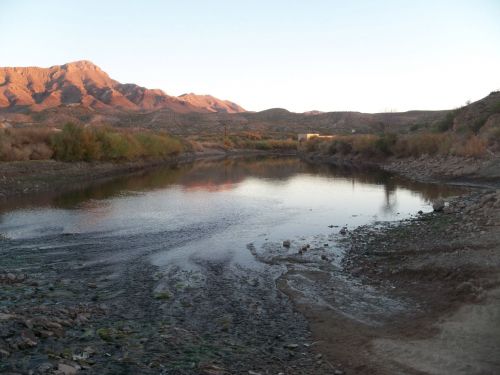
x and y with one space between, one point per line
446 123
478 124
340 145
385 144
421 144
473 147
76 143
496 108
25 144
408 145
273 144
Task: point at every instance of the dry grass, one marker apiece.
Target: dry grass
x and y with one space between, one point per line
25 144
77 143
413 145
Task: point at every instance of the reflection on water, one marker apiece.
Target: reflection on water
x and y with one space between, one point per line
223 175
226 202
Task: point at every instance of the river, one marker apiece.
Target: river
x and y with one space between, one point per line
190 248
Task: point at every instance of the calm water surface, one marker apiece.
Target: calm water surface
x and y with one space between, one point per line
213 209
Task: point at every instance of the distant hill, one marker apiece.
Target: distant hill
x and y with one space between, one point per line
479 116
84 84
210 103
82 93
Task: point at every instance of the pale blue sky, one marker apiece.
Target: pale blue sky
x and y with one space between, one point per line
301 55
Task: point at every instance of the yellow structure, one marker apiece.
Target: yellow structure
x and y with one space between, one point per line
308 136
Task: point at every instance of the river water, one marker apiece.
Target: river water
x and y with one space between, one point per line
213 209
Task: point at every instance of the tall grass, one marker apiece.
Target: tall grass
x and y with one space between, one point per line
25 144
78 143
413 145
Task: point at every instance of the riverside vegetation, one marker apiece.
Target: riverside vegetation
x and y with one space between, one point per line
75 143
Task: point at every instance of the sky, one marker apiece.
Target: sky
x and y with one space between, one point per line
369 56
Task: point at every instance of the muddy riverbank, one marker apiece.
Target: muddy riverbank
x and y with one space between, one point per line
428 294
481 172
418 296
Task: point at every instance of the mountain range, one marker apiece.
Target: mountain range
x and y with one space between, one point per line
82 93
85 84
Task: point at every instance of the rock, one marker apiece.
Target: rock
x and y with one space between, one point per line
82 318
92 285
28 339
80 357
4 316
211 369
438 205
291 346
53 325
45 367
465 287
420 212
286 243
68 369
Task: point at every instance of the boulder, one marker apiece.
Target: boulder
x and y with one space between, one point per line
438 205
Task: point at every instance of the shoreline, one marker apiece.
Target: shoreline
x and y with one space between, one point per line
437 275
481 173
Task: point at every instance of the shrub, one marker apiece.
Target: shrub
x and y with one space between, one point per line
312 145
473 147
25 144
446 123
385 144
415 127
496 108
76 143
364 144
340 145
419 144
478 124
